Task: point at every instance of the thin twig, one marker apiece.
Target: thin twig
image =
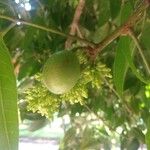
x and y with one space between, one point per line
48 30
75 22
79 32
137 43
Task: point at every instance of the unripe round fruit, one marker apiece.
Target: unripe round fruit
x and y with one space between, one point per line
61 72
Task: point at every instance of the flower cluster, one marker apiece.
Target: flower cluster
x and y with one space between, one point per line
92 75
41 100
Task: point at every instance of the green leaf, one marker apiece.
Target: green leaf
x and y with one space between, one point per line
29 68
104 11
147 137
126 11
8 102
115 6
129 59
145 36
18 37
120 64
100 33
123 61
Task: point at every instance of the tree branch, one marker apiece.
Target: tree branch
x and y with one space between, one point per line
75 22
137 15
100 46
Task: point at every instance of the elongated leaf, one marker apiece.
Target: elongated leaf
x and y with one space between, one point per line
8 102
120 64
115 7
129 59
123 61
104 11
145 36
147 136
126 11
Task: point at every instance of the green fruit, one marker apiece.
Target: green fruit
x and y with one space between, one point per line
61 72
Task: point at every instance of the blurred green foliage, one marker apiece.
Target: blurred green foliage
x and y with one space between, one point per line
95 92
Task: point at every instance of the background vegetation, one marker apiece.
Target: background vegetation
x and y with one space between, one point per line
110 104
